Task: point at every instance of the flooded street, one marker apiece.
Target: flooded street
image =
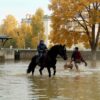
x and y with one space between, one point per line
15 84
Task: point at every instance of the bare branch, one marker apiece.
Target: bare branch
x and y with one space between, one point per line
86 28
88 9
75 19
98 34
86 31
93 35
98 5
94 5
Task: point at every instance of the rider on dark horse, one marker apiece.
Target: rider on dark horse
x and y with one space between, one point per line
48 60
42 49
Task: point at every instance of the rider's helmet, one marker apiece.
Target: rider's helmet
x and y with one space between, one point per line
41 41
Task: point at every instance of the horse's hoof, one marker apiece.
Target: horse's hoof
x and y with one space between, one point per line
53 74
49 75
40 72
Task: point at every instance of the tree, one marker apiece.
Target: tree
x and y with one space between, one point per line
37 26
8 28
77 20
25 32
9 25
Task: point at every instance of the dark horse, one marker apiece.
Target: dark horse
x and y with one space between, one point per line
49 60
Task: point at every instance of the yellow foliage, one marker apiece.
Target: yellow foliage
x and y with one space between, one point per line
23 32
37 22
26 29
24 35
9 25
35 41
83 12
37 27
20 41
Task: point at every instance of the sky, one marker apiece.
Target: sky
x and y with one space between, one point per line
19 8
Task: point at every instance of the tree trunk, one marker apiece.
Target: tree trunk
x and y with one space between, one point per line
93 58
93 53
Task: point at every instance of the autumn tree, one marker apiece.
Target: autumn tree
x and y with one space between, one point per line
37 26
24 37
75 21
9 25
8 28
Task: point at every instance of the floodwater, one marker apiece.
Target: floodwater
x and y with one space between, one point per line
15 84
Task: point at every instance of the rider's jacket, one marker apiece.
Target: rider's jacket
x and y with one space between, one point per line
76 56
41 49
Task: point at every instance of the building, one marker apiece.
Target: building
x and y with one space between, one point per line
27 19
47 28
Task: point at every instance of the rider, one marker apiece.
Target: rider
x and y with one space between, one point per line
41 48
77 58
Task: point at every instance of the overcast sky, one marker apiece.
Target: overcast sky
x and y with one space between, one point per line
19 8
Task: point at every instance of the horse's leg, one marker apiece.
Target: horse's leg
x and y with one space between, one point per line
40 70
49 71
33 69
54 68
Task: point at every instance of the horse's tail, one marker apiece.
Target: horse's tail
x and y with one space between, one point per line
32 64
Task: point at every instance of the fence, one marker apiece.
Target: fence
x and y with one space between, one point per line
19 54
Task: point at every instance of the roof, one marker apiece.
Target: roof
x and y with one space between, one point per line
2 37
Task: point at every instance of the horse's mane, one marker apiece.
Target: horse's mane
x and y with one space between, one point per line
53 49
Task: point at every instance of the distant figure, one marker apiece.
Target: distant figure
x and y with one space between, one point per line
41 48
77 58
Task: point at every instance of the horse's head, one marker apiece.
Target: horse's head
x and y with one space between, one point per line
62 51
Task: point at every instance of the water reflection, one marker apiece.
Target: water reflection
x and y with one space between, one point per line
68 88
66 85
93 63
44 87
